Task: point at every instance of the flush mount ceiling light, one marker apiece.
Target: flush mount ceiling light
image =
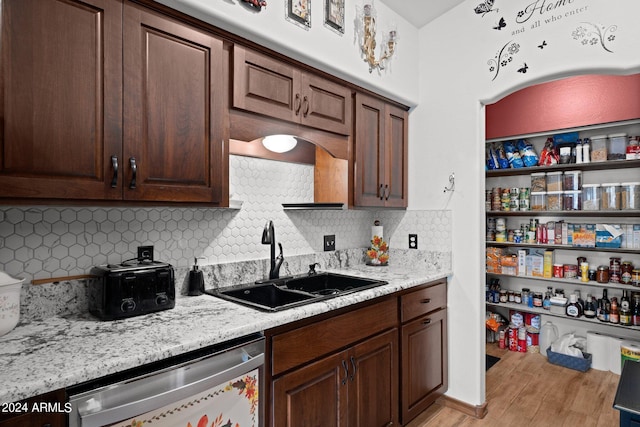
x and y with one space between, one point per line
279 143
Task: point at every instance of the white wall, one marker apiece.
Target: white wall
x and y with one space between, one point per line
319 46
447 128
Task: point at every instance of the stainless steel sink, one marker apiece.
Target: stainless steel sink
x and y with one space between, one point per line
281 294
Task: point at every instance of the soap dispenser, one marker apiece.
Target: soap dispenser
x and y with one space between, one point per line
196 280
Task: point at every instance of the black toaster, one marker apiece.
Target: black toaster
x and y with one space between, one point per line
131 289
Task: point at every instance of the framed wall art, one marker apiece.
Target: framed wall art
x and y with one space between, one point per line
334 15
298 12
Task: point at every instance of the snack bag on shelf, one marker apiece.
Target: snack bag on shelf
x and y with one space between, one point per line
527 152
501 156
549 155
513 154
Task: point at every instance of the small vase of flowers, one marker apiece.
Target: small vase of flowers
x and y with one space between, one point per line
378 254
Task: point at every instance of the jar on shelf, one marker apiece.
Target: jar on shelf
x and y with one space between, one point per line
572 200
615 269
611 196
617 146
635 277
630 195
599 148
538 200
572 180
626 272
554 200
554 181
602 274
591 197
538 181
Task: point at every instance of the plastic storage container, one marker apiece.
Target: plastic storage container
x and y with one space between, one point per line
617 146
538 200
572 200
554 181
572 180
598 148
610 196
554 200
630 195
591 197
538 181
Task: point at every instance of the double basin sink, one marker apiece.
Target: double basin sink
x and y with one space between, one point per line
294 291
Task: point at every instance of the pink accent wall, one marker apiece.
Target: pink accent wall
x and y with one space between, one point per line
567 103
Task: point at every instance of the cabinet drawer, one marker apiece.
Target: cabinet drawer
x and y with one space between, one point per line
423 301
301 345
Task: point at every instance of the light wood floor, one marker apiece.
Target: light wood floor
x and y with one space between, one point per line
525 390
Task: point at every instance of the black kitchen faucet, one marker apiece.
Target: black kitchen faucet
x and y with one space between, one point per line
269 238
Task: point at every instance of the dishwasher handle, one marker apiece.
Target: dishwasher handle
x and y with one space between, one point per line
108 416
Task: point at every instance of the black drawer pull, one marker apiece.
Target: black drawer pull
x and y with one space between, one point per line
134 171
426 301
346 372
114 165
426 322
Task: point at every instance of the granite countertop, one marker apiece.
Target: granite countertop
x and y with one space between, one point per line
57 352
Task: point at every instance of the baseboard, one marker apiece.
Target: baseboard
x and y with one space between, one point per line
478 411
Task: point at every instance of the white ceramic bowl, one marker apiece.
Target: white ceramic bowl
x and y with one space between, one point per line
9 302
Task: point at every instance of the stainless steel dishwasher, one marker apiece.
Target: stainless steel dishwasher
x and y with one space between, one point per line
220 385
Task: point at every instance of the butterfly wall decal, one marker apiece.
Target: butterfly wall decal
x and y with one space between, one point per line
485 7
523 69
500 24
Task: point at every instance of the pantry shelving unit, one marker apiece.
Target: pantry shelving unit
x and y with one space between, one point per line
624 170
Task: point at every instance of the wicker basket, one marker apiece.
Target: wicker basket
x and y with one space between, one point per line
571 362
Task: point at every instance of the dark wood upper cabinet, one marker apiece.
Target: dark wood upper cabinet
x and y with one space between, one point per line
173 118
60 99
381 153
280 90
75 129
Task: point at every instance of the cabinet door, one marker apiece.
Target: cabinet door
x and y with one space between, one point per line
173 115
396 156
424 363
265 86
60 99
314 395
326 105
369 151
373 381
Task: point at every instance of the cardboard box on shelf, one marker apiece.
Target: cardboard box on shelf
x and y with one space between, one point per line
609 235
584 235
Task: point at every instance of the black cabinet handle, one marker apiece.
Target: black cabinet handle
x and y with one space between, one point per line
296 104
305 102
355 368
426 322
346 372
381 192
134 172
387 191
114 165
426 301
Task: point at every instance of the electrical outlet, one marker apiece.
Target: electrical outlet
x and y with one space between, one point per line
413 241
330 242
145 253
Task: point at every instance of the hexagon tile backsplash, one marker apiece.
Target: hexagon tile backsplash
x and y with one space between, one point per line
49 242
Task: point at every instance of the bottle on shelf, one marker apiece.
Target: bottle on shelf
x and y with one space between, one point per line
624 301
635 313
586 151
625 315
573 309
614 314
546 303
590 307
580 301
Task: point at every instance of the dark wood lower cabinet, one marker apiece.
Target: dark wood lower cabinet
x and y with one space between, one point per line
376 365
424 362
